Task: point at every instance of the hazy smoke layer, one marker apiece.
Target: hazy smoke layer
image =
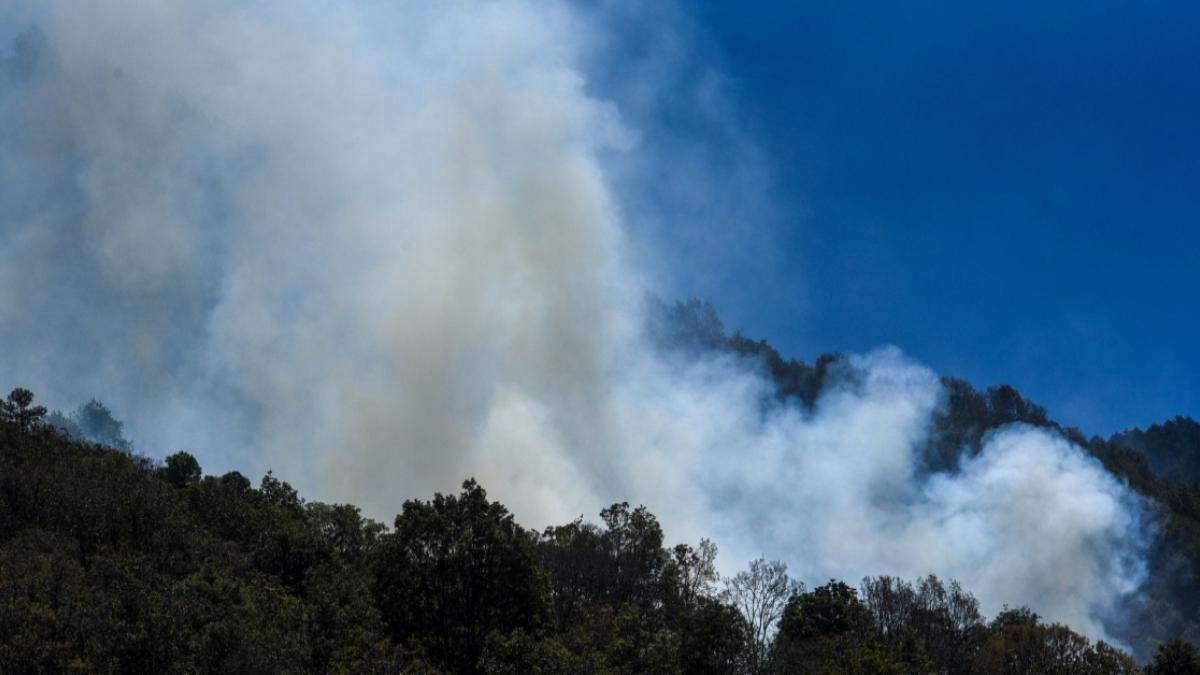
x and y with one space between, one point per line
374 246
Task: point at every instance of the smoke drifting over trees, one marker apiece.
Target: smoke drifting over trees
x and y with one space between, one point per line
378 244
110 562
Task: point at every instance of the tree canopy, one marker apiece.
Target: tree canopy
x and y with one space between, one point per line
112 562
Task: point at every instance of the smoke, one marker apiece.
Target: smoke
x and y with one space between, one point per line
378 248
839 491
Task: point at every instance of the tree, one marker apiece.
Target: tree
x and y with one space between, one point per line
1006 405
624 562
19 408
948 622
181 469
454 570
344 529
1175 658
714 639
828 630
891 602
832 610
1019 644
98 425
694 570
1105 659
761 594
575 558
281 494
636 559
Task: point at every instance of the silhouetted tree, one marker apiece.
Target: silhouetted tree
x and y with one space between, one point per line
714 639
694 571
19 408
181 469
633 540
1175 658
827 629
454 570
576 559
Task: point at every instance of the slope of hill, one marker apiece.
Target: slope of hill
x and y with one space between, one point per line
1162 463
112 562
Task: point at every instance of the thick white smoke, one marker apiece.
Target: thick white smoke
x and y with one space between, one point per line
374 246
839 492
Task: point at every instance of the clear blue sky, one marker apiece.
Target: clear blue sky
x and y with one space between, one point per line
1010 192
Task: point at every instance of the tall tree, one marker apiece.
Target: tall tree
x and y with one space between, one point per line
454 570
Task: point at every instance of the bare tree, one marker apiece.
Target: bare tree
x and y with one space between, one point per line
942 617
761 594
892 602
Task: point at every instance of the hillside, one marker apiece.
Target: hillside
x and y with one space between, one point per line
112 562
1162 463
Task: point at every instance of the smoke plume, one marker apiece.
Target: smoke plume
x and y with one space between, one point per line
378 248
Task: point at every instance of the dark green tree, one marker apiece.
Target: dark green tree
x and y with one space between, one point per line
576 561
1175 658
832 610
714 639
827 629
19 409
453 571
636 559
181 469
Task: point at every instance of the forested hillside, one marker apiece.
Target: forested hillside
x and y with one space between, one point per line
112 562
1162 463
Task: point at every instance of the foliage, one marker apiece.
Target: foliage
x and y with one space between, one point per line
1175 658
181 469
454 571
113 563
19 409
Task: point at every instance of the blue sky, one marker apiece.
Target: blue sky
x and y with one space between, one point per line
1010 192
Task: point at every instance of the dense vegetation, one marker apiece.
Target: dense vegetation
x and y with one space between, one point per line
111 562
